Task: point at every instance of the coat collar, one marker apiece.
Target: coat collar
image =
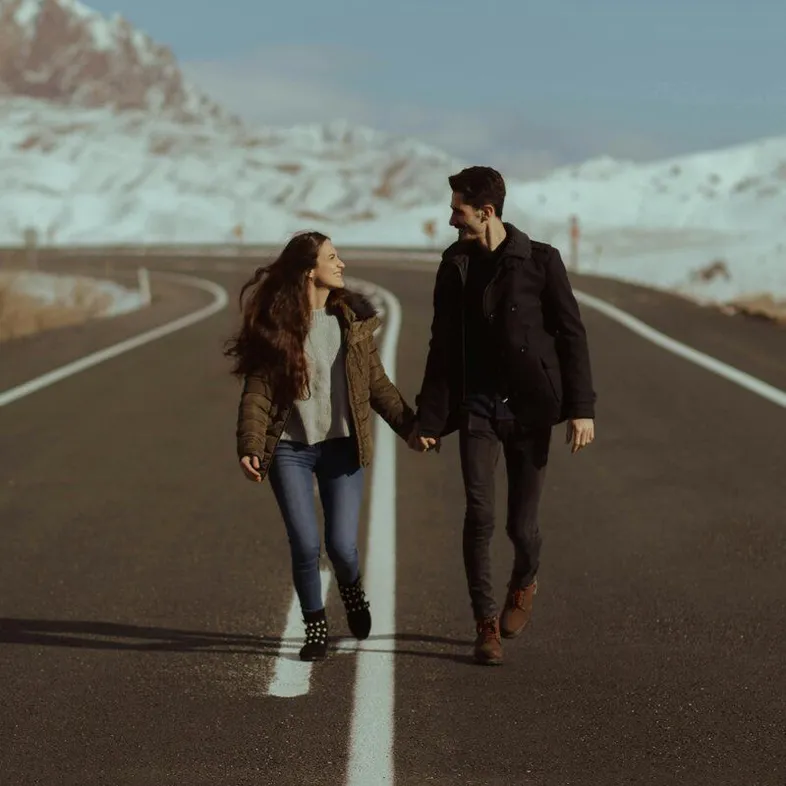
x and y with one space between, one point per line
518 246
358 316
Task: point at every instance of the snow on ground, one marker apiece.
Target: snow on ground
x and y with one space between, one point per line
715 272
172 167
93 176
31 301
740 188
96 177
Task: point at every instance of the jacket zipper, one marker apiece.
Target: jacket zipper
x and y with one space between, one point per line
462 271
492 282
487 289
278 439
350 391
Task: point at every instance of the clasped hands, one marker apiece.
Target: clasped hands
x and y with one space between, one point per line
579 434
421 444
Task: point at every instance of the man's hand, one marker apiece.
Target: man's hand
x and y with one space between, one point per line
250 467
418 443
580 431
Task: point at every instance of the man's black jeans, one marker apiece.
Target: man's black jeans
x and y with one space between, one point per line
526 454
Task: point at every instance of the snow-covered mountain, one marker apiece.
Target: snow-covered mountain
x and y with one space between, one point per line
64 52
102 140
740 188
95 176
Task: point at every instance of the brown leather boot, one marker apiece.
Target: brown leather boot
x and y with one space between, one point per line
518 609
488 645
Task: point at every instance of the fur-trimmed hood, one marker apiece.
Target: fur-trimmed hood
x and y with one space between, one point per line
356 307
351 306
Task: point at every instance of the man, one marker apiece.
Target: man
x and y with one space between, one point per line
507 360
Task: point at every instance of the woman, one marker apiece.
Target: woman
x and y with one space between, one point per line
312 374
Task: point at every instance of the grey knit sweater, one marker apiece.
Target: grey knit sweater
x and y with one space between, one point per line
325 414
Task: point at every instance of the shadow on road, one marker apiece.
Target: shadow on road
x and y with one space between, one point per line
97 635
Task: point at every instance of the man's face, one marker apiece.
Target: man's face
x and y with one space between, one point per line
465 218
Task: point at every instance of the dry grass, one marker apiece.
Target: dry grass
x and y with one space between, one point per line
310 215
36 142
385 188
363 215
23 315
162 145
251 143
715 269
762 306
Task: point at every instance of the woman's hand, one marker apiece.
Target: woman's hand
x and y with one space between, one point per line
420 444
250 466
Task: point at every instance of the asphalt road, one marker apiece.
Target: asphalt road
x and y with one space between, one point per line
144 585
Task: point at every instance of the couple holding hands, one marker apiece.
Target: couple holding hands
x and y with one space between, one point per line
507 360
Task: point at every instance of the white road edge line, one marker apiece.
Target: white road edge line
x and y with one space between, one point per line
707 362
220 300
371 731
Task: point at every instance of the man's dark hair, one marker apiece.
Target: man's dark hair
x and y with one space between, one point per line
480 185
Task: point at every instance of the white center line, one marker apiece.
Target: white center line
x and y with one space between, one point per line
371 733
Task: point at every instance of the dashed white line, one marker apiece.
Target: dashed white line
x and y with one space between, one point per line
292 676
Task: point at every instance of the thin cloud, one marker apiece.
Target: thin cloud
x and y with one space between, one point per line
287 85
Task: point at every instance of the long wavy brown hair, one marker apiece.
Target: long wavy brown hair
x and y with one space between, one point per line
276 317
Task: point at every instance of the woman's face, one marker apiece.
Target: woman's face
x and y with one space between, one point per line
328 273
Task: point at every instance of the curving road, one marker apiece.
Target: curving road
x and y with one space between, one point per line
145 593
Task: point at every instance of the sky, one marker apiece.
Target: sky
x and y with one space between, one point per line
520 85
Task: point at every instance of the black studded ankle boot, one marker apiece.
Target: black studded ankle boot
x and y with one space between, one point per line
357 608
316 644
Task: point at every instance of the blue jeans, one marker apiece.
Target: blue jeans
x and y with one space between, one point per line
340 479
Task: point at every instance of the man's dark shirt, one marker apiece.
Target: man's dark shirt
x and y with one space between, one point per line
484 380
